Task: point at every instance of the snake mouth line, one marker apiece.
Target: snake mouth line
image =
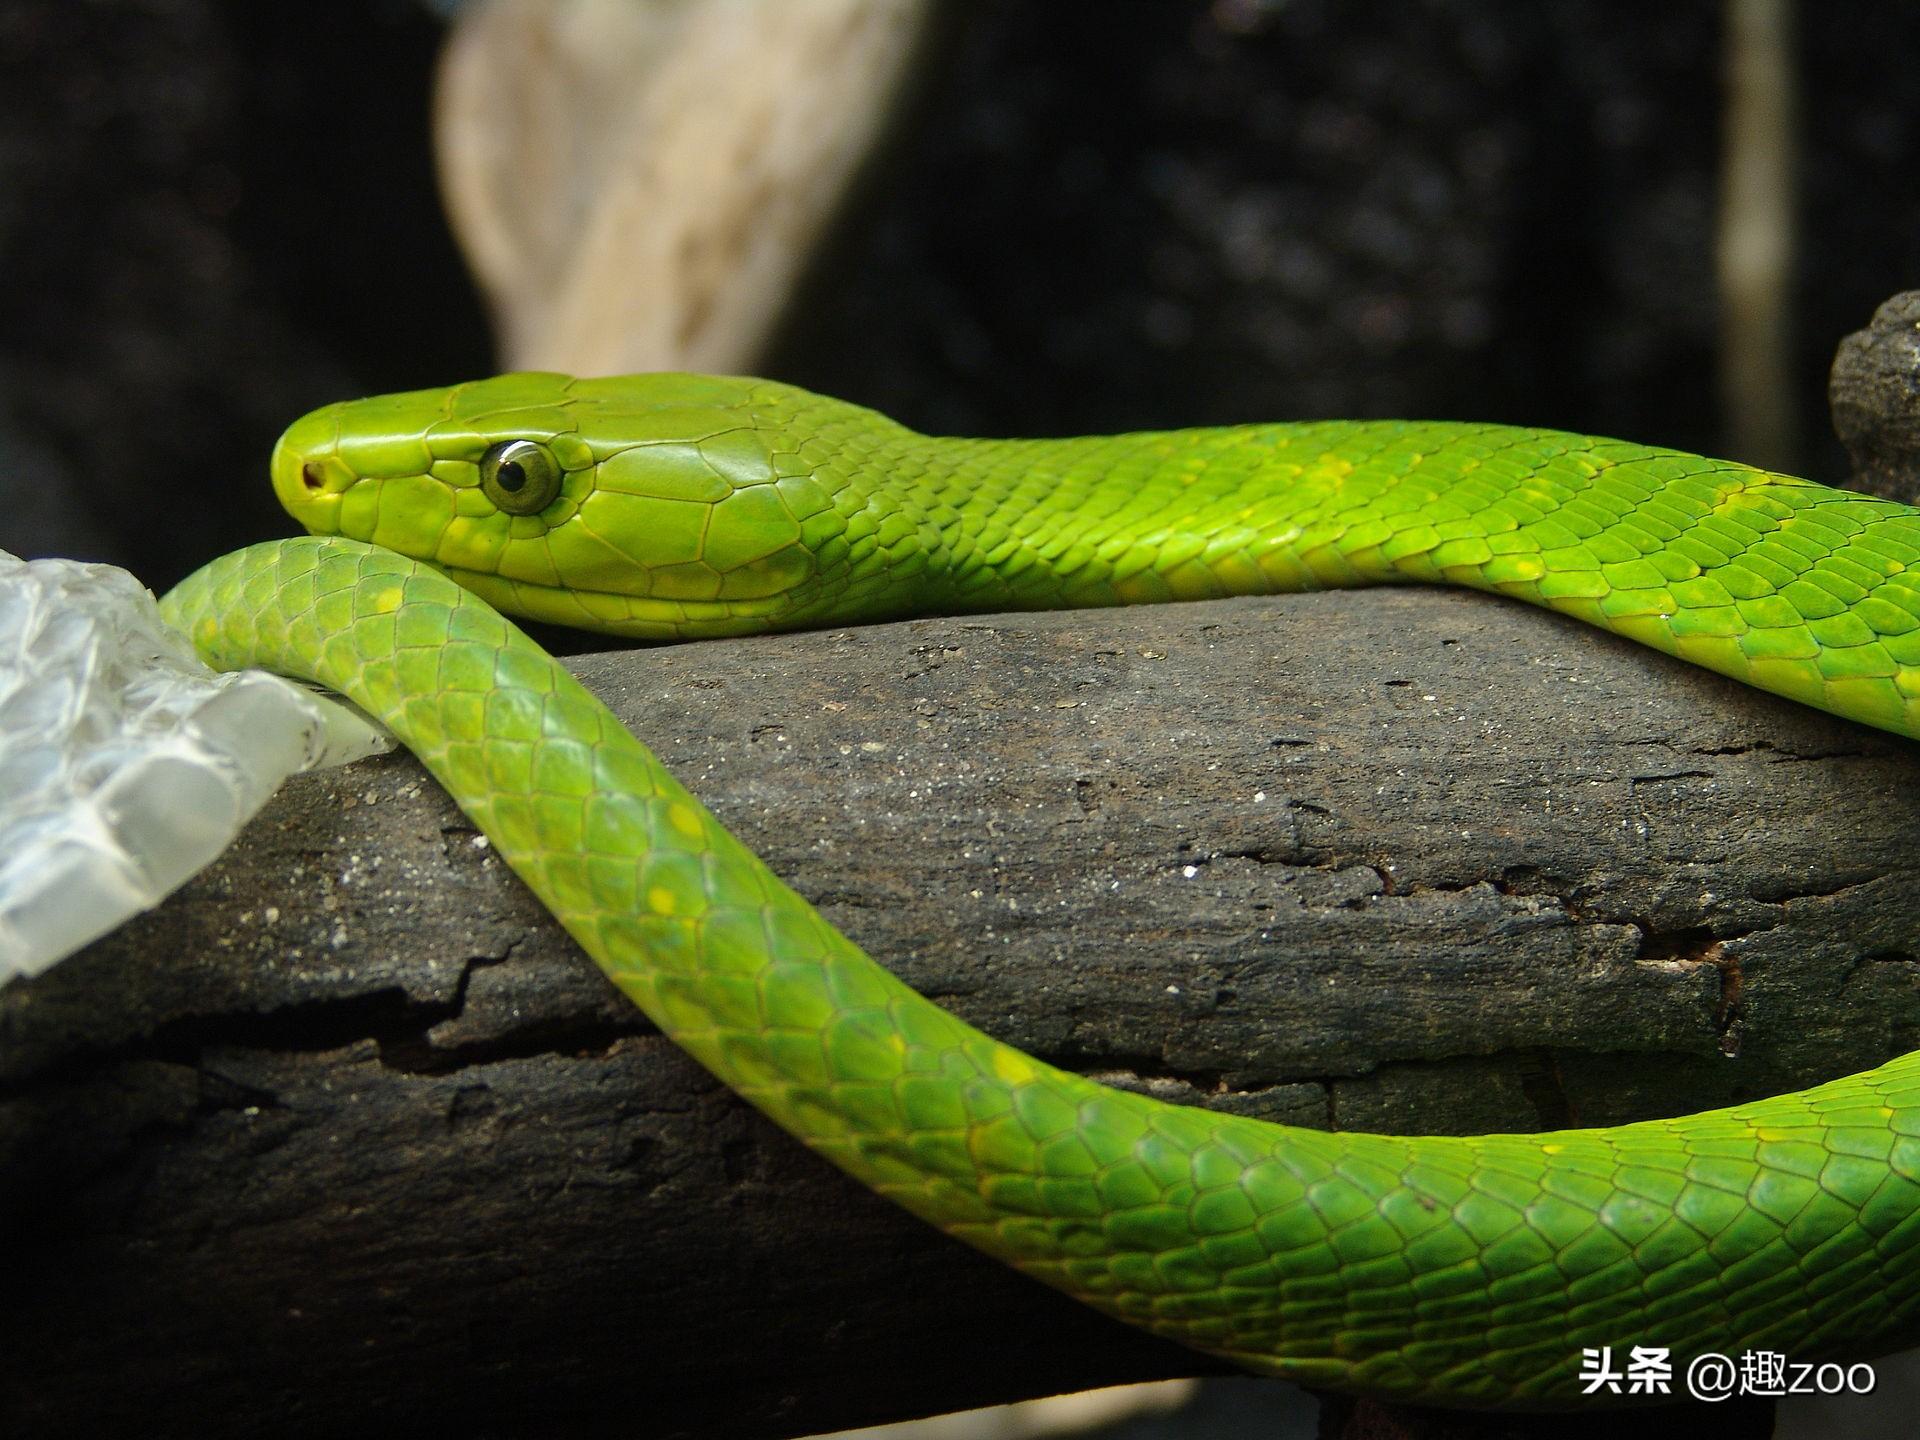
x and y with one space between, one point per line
615 611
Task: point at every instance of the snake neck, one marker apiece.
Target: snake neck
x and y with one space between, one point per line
1198 514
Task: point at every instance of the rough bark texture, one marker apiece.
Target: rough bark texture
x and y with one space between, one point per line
348 1135
1875 393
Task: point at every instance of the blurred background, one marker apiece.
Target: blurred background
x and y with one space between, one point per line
1654 222
989 217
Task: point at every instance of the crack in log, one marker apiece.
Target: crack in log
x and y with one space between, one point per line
563 1038
304 1027
1768 895
1667 777
397 1023
1780 756
1683 945
1729 1014
1545 1089
1879 955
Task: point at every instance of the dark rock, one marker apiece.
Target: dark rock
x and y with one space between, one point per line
1875 394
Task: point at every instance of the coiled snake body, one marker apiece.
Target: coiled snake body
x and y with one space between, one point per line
1467 1271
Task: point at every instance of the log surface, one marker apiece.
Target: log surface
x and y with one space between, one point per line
347 1135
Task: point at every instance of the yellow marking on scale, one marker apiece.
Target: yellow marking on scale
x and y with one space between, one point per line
1013 1067
684 818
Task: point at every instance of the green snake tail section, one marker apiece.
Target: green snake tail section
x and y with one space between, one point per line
1444 1270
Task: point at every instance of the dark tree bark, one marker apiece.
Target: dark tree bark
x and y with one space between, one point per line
1874 389
347 1135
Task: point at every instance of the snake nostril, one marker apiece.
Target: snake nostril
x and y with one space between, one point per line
311 476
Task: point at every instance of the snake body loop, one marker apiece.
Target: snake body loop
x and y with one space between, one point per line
1467 1271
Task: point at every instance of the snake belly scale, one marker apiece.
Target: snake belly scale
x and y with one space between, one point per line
1446 1270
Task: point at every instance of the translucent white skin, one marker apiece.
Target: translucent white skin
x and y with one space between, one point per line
127 765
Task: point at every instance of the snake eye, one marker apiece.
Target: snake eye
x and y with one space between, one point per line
520 476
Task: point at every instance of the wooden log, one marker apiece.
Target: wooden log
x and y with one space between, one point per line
348 1134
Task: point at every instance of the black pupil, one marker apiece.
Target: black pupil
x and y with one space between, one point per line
511 475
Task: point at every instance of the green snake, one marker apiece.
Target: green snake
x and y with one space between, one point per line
1446 1270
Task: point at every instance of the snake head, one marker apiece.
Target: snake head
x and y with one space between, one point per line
659 506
